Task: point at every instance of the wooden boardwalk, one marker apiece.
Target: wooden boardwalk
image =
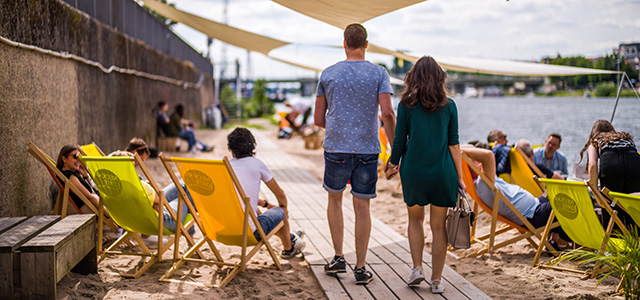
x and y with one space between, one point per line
388 257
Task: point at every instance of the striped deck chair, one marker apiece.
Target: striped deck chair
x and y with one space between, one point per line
527 231
90 150
219 200
630 204
122 193
66 188
573 207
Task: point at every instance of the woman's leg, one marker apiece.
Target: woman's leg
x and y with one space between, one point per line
416 233
438 217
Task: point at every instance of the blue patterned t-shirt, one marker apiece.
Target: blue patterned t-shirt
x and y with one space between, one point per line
351 89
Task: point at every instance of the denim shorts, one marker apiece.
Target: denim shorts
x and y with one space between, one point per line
361 169
269 220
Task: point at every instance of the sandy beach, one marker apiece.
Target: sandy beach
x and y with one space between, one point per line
506 274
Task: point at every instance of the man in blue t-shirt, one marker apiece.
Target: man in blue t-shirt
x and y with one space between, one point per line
348 96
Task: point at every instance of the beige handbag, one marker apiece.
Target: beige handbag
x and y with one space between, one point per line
459 221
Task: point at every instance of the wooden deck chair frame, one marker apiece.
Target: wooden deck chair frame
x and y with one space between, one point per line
531 164
144 250
248 214
608 231
83 149
522 174
524 232
624 201
66 187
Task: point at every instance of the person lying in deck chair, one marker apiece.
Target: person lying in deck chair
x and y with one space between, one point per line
536 210
525 146
250 171
139 146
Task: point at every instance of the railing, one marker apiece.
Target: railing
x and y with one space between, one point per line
131 19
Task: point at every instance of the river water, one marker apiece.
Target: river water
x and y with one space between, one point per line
534 118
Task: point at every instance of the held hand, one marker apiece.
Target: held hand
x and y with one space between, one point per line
390 170
461 184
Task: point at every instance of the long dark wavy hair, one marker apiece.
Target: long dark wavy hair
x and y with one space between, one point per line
602 132
64 152
424 84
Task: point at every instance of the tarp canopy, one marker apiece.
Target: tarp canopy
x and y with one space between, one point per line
230 35
341 13
362 11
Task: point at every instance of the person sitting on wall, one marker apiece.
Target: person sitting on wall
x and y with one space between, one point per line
180 127
162 120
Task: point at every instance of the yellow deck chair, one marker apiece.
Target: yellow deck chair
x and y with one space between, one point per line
122 193
630 203
219 200
488 241
574 209
530 162
90 150
66 188
522 174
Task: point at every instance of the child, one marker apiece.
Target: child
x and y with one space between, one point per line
250 171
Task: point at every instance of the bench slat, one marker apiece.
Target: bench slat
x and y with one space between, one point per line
8 223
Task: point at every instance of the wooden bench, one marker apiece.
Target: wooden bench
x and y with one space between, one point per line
46 258
16 232
167 144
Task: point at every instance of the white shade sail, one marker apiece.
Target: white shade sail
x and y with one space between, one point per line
341 13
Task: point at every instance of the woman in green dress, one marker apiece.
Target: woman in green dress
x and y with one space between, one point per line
427 142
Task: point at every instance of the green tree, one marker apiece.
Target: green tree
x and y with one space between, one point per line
229 101
259 103
579 81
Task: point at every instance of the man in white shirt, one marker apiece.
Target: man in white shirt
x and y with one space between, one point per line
250 171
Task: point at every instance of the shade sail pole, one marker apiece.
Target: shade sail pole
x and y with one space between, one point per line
613 113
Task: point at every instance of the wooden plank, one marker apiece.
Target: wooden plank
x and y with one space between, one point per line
10 241
330 284
50 255
396 284
381 288
10 222
14 238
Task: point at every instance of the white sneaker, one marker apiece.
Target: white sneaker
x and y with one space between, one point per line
437 286
152 240
416 277
119 232
297 241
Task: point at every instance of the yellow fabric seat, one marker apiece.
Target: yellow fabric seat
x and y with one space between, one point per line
123 195
630 203
222 212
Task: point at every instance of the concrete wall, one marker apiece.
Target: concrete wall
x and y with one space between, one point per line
52 101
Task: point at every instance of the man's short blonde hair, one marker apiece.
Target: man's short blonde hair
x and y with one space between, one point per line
525 146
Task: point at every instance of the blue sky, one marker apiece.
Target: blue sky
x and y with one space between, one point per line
515 29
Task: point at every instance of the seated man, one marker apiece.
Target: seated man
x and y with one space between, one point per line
536 210
500 151
550 156
525 146
250 171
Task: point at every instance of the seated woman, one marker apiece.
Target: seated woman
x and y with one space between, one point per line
69 164
180 127
619 167
536 210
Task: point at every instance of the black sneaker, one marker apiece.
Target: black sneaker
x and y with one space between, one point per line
338 265
362 276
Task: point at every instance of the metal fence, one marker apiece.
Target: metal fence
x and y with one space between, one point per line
131 19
